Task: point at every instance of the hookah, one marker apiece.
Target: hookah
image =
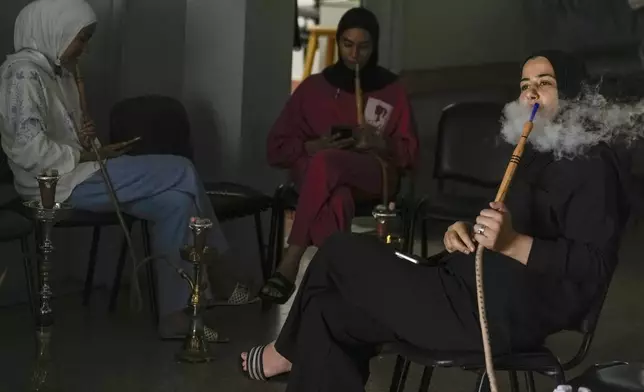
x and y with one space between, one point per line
46 212
195 346
94 146
480 290
385 214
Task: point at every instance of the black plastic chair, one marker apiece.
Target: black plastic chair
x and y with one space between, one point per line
78 218
163 124
95 220
470 154
15 227
540 360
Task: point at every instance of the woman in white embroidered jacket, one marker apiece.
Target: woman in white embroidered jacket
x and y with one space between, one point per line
40 124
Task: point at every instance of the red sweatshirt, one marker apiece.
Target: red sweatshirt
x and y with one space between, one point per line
316 106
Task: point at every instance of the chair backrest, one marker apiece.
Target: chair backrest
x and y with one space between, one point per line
469 147
161 121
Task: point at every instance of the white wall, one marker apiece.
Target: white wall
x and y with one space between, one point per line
7 17
419 34
449 33
390 14
212 91
266 85
152 42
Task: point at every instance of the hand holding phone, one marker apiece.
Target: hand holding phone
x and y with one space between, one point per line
125 143
340 138
340 132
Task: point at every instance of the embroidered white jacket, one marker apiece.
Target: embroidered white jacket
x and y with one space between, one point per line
39 115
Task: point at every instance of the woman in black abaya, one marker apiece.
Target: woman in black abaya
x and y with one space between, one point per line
549 252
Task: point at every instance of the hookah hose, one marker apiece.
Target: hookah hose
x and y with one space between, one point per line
136 298
480 290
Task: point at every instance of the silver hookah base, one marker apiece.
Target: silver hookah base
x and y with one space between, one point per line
60 211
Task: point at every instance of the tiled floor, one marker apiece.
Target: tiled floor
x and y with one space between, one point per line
99 352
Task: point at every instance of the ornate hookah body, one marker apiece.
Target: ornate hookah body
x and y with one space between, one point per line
195 346
46 212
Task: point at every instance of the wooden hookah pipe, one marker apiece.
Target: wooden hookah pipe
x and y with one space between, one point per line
110 186
360 116
480 290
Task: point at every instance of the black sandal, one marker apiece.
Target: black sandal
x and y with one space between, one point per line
278 289
255 366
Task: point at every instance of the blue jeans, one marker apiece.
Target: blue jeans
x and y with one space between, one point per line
166 191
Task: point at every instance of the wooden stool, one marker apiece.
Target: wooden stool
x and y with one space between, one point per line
314 33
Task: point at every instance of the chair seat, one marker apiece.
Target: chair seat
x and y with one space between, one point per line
78 218
454 208
13 226
540 360
612 377
289 196
83 218
231 200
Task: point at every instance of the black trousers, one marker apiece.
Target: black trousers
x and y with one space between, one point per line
357 295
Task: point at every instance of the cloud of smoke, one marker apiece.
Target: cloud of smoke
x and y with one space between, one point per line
580 124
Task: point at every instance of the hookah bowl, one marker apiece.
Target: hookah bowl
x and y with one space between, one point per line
46 212
195 345
388 224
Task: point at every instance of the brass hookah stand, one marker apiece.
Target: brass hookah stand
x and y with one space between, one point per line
195 345
46 212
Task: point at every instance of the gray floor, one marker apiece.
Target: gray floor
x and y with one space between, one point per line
102 352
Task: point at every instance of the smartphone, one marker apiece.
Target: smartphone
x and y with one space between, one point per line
345 132
411 259
131 141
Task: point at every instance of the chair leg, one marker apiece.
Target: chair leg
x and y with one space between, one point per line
91 266
482 382
426 379
409 231
424 251
413 222
272 238
279 246
262 251
514 381
116 284
152 285
399 377
29 273
529 382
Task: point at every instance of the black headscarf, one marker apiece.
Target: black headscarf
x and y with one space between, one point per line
570 71
372 76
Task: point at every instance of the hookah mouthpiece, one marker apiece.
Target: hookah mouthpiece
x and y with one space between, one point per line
534 111
199 227
47 183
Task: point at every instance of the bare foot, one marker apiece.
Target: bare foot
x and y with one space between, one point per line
274 363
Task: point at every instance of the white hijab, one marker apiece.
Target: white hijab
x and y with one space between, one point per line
44 29
50 26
